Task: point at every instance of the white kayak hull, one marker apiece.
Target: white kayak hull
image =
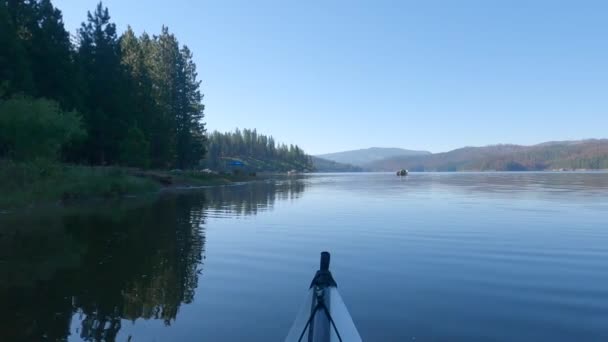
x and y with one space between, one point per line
323 317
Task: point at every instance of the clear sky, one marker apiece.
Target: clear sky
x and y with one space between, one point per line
433 75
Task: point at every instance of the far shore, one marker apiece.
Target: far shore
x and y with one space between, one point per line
482 171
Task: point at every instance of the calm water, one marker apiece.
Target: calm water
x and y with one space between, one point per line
431 257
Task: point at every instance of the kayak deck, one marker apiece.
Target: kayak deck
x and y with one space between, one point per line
323 316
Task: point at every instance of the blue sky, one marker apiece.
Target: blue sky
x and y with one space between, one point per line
432 75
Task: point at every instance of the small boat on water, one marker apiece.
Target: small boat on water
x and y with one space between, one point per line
402 172
323 317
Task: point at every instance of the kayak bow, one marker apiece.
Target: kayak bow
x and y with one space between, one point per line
323 317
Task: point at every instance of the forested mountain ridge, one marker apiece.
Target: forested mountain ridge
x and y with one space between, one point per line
325 165
582 154
250 151
368 155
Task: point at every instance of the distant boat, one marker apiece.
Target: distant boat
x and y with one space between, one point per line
292 172
323 317
402 172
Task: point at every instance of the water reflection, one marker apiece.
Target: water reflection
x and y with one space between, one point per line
499 185
254 197
93 268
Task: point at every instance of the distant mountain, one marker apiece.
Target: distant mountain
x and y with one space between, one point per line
582 154
324 165
369 155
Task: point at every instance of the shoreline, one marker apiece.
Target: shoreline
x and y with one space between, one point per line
27 186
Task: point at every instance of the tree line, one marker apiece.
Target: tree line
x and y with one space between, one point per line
259 152
101 98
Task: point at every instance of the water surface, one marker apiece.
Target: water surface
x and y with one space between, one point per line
428 257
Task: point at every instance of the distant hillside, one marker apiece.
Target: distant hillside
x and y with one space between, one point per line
248 151
369 155
324 165
583 154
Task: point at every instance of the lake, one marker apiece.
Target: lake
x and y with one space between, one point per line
427 257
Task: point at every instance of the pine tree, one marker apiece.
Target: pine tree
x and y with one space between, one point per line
189 115
15 71
136 150
162 59
107 104
51 57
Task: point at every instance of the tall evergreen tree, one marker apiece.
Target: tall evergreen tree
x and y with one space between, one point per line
43 47
189 116
136 150
106 102
162 59
15 71
51 57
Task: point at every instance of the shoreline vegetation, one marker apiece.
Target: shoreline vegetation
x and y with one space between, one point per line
38 183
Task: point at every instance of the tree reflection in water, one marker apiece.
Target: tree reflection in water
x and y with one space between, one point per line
96 268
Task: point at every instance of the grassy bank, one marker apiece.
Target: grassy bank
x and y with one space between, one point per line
24 184
33 183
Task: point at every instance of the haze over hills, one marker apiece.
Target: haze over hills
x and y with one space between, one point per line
581 154
366 156
325 165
